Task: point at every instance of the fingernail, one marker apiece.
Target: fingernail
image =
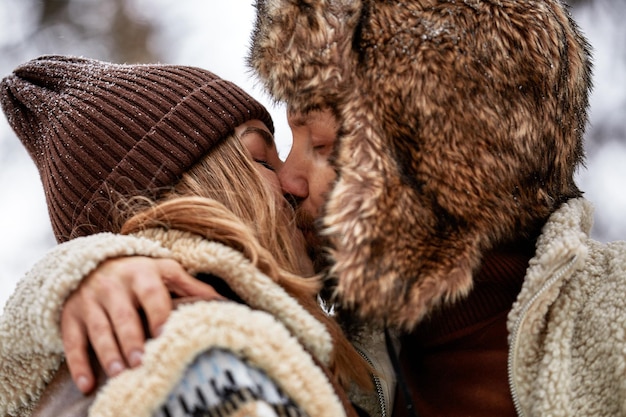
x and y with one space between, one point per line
115 368
134 359
82 382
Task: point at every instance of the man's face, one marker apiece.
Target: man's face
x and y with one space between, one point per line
306 174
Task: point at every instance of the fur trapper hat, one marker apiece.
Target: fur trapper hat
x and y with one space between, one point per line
461 126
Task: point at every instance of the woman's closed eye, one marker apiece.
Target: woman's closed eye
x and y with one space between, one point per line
265 164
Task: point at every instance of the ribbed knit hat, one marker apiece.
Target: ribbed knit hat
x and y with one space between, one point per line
98 131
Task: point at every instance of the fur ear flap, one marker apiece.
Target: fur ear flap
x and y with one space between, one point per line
462 130
395 258
301 49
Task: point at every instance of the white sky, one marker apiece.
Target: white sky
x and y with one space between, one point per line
215 35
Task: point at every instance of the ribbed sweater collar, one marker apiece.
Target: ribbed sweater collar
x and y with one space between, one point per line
496 286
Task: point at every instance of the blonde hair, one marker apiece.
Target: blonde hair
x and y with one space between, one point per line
224 198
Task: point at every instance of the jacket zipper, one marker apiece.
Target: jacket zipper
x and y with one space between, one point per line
377 384
512 360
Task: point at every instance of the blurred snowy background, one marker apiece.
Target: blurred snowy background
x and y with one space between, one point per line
215 35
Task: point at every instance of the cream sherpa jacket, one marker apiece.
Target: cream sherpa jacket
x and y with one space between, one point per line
567 329
273 332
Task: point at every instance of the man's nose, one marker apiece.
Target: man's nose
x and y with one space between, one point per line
293 180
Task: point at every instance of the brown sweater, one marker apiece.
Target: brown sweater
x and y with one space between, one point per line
455 362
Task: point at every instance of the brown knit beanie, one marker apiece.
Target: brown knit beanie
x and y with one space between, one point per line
98 131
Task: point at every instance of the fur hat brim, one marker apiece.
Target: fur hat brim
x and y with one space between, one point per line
460 128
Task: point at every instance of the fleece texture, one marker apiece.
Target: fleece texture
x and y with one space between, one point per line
30 335
568 325
254 335
272 331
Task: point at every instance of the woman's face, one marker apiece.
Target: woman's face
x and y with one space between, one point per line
259 142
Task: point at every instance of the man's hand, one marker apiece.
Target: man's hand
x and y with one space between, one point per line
104 312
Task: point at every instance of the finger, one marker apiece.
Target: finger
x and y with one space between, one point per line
155 300
177 281
74 336
192 287
129 329
181 283
143 276
104 343
113 287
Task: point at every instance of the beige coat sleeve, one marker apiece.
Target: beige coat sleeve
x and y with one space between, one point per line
30 336
273 331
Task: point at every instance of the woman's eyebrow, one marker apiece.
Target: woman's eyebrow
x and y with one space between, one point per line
267 136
